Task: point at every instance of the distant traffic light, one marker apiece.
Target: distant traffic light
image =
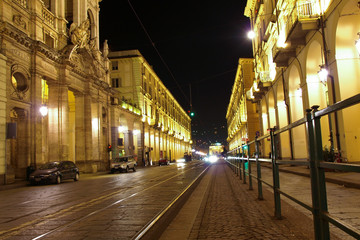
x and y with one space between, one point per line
192 114
109 148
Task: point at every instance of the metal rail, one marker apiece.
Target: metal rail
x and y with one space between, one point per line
145 230
241 165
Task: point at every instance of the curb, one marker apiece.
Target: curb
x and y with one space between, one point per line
327 179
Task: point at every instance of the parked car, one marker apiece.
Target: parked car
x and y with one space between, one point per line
55 172
123 164
164 161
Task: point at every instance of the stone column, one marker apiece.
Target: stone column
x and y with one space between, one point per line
58 121
3 102
36 118
80 156
88 133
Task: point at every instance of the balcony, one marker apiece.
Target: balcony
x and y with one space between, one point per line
258 90
304 17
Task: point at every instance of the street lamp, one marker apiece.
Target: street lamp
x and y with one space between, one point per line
251 34
44 110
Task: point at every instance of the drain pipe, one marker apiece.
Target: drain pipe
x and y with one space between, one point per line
287 114
333 93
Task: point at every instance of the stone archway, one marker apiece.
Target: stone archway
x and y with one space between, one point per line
297 112
283 121
317 89
348 73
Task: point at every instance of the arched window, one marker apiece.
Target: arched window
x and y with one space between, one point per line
90 16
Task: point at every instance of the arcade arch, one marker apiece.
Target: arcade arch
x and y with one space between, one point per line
348 74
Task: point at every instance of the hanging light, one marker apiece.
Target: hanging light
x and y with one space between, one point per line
357 43
44 110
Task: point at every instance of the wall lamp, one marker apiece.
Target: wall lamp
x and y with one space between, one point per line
44 110
323 74
357 43
122 129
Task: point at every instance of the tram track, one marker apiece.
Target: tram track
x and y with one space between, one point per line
91 207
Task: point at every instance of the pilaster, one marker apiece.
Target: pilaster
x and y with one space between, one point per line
58 121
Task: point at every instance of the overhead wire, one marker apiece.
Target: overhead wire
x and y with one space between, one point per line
157 51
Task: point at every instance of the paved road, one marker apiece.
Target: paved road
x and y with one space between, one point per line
228 210
108 206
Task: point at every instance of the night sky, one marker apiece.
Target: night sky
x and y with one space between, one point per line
200 42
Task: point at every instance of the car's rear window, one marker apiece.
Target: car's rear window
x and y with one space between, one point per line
50 165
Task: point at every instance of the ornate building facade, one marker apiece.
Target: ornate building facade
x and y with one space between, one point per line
295 43
50 61
163 128
242 117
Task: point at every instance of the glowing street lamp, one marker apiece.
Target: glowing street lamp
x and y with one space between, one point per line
251 34
44 110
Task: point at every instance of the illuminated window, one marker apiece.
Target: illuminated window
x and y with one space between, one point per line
44 92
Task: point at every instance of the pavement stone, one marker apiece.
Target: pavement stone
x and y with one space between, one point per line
231 211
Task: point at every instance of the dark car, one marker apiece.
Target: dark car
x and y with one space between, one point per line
55 172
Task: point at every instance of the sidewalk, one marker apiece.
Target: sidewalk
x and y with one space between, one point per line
347 179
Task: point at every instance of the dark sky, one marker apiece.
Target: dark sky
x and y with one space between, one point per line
199 41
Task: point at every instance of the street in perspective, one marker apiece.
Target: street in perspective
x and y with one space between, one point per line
179 120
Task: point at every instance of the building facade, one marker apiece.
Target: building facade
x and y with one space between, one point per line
164 128
242 117
50 62
295 42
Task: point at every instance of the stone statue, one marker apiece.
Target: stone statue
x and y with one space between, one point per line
80 35
106 49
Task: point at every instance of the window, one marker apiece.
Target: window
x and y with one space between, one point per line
114 65
116 82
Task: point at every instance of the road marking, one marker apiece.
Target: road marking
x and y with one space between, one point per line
64 212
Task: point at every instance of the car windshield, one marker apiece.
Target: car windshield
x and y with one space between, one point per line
50 165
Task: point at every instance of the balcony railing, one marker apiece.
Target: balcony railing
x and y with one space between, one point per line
48 17
22 3
265 76
303 10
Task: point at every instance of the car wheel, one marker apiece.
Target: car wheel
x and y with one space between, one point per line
134 168
127 169
58 179
33 183
76 178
